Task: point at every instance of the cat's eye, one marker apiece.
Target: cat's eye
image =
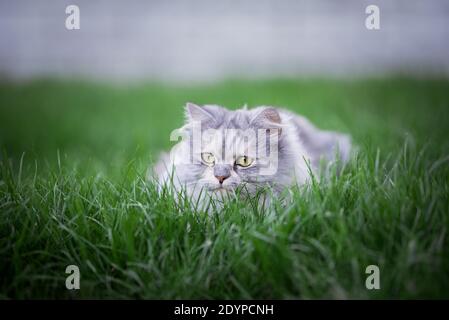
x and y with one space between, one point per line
244 161
208 158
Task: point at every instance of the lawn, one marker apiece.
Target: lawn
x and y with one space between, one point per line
73 192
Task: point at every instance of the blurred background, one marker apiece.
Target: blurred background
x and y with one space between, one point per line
112 91
208 40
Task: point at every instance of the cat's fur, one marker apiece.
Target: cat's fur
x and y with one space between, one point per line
298 141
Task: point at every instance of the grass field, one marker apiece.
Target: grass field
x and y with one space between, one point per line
72 191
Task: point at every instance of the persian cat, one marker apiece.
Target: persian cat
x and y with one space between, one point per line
265 148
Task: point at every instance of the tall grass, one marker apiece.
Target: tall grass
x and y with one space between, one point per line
389 207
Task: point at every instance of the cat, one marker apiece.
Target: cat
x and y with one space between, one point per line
223 150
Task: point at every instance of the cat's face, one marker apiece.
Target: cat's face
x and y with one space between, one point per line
232 149
228 159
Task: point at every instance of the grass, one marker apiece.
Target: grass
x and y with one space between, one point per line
72 191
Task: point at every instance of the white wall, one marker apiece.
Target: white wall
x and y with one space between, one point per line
205 40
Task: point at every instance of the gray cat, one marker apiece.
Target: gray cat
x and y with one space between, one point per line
223 151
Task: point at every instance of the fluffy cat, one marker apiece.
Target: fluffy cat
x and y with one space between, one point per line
222 151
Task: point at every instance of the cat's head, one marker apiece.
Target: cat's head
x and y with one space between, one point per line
233 149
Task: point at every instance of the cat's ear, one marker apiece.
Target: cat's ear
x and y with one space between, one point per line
267 117
197 113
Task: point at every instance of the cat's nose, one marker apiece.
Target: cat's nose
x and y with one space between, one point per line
221 178
222 172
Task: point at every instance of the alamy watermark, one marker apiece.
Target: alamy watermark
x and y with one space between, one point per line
212 146
72 282
372 281
72 22
372 21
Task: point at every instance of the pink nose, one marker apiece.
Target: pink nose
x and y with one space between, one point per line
221 178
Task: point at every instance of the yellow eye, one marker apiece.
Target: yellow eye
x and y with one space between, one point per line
208 158
244 161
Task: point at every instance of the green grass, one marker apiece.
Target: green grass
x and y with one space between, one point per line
72 192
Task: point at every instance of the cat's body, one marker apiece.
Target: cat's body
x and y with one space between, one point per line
225 150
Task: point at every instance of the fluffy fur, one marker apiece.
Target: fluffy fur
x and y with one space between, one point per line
221 132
